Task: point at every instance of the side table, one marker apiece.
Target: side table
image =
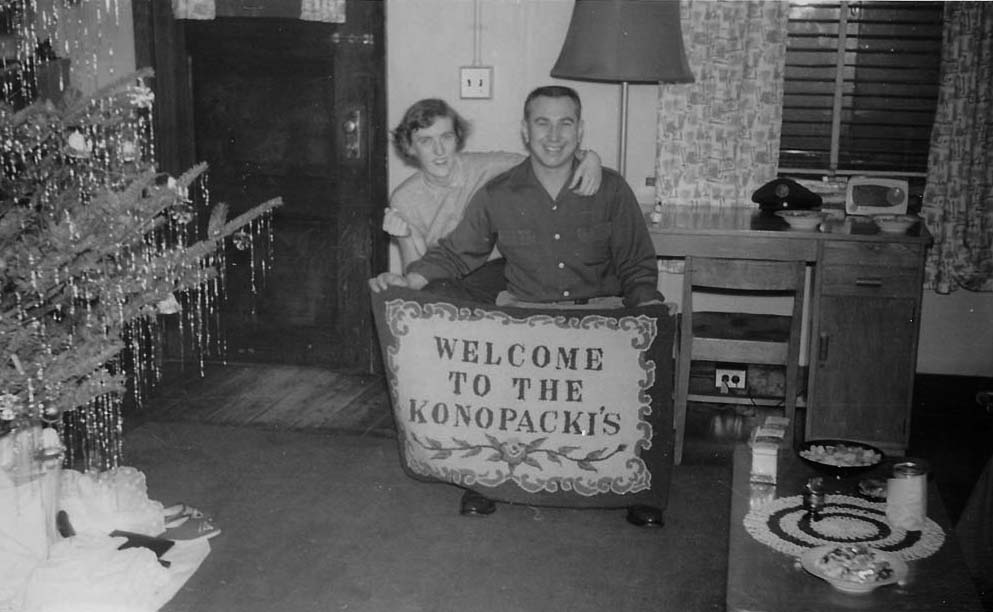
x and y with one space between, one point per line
763 579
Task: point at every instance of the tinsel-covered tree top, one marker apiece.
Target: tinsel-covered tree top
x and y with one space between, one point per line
92 240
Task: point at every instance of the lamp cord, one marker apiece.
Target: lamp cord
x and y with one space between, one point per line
476 33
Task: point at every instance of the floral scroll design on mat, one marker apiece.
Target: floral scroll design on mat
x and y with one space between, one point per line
513 452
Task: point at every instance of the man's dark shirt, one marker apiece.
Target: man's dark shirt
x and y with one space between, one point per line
572 247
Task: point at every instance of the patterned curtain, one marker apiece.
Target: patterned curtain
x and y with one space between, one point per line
328 11
958 199
718 138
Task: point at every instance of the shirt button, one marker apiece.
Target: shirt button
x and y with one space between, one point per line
565 294
557 236
561 265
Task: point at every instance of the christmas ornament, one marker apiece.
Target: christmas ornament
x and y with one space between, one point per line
78 145
168 306
242 240
182 213
50 414
128 150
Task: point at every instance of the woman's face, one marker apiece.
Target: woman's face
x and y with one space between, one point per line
434 147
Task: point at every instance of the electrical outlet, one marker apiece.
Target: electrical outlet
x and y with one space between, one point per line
732 378
476 81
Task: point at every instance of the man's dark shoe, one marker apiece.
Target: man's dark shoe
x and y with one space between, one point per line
474 504
645 516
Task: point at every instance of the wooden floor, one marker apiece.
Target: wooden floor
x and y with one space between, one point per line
275 396
948 429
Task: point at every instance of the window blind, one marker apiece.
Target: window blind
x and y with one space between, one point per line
861 86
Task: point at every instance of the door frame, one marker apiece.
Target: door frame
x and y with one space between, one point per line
362 187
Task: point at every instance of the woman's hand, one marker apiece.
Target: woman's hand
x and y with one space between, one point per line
390 279
394 224
588 175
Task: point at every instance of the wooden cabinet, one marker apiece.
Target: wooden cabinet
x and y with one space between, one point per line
866 313
865 305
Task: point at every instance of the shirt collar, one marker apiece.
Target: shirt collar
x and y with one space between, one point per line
524 175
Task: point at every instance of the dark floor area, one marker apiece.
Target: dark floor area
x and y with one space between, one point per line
949 429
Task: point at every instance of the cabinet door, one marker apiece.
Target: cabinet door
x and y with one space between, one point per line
865 362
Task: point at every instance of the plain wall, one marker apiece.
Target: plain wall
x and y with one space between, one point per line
427 42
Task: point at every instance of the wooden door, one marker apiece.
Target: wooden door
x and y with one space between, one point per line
863 368
283 107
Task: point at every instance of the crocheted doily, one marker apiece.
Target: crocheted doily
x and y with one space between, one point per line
783 525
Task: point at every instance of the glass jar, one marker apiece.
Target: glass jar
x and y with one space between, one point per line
906 495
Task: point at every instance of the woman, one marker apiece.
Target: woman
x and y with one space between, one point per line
430 203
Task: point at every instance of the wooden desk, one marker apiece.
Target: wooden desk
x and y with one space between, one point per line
865 304
761 579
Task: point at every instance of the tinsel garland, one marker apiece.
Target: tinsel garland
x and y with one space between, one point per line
95 243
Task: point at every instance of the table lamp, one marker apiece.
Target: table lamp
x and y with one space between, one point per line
624 41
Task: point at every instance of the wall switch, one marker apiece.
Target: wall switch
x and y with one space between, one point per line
476 81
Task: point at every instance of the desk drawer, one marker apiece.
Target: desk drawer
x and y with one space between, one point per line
887 254
876 281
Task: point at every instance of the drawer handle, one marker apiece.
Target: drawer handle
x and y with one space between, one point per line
869 282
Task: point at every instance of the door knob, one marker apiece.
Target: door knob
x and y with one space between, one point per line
352 129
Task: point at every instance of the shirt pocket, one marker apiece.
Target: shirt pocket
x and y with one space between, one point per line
594 242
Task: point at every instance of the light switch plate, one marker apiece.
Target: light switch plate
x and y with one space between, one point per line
476 81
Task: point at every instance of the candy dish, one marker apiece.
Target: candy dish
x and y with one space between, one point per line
840 458
854 569
805 220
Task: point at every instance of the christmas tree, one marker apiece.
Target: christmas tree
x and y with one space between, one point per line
95 244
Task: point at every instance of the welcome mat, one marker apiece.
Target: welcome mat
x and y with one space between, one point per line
274 396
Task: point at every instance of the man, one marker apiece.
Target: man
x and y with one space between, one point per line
562 249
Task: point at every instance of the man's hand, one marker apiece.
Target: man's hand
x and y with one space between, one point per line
394 224
589 173
389 279
672 307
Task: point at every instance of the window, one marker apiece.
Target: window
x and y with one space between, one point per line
861 87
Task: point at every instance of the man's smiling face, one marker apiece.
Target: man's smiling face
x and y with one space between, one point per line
552 130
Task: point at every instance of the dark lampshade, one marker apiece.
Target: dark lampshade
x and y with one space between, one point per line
634 41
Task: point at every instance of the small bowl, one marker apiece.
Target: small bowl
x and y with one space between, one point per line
858 450
806 220
873 488
895 224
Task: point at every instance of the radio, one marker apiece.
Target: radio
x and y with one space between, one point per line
870 195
